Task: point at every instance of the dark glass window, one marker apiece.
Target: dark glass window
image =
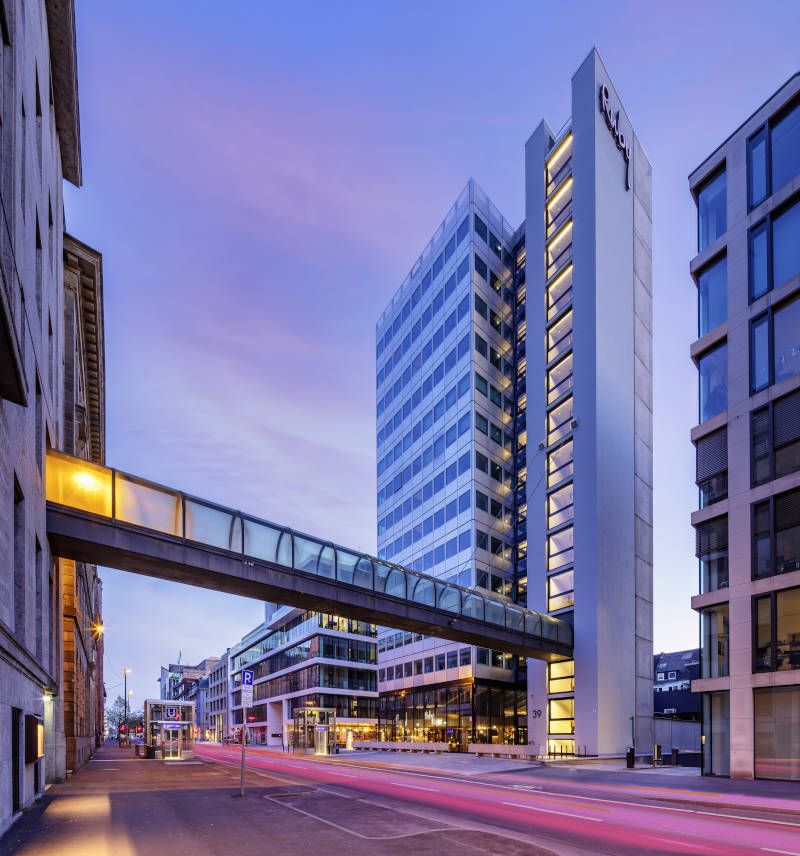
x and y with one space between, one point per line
785 148
786 245
712 467
480 306
760 446
463 230
786 434
428 665
480 267
713 367
759 353
757 168
480 227
481 501
776 631
440 661
759 260
786 333
775 345
711 210
480 345
449 249
463 268
762 634
712 553
465 657
712 290
776 535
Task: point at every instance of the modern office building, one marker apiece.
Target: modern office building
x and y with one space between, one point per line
303 659
218 699
176 678
747 272
497 334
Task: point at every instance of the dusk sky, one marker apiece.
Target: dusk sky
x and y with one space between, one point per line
260 177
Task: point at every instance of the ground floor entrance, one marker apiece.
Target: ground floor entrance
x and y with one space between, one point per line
314 730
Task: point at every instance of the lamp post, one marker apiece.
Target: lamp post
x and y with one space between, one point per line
125 678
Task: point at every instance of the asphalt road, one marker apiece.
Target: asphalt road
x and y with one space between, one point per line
592 814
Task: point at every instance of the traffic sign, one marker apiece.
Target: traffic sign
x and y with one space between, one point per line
247 695
247 677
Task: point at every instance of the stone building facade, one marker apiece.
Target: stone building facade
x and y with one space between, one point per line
84 437
39 147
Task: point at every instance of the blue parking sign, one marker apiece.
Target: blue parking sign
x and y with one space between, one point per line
247 678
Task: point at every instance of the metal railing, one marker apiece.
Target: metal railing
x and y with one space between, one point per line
109 493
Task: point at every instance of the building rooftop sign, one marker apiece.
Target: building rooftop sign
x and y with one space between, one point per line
612 120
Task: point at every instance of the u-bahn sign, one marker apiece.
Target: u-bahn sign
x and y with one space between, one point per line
612 120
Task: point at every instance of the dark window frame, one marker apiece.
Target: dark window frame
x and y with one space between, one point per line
773 553
765 130
769 314
773 621
767 223
761 133
721 256
707 180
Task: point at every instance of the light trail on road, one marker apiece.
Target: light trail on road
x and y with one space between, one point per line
618 822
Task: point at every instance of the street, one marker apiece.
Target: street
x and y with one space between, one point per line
596 814
395 804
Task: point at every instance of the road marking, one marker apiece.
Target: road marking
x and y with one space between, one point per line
682 843
416 787
787 852
553 811
495 790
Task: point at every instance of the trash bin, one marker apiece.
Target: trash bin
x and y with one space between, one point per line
675 753
630 757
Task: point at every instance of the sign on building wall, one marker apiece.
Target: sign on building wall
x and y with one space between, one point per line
612 120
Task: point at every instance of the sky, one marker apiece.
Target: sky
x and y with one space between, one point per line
260 178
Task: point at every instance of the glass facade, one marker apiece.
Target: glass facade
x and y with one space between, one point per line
713 367
714 642
711 210
455 713
777 732
448 430
712 296
716 734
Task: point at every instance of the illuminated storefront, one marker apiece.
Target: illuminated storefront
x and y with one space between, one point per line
455 713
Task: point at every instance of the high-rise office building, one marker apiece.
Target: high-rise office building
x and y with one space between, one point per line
498 335
747 272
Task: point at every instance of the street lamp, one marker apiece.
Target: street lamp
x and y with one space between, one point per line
125 673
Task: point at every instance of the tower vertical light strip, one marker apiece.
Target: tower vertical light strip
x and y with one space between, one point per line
559 425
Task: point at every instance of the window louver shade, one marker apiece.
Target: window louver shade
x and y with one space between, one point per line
787 510
712 536
787 419
712 455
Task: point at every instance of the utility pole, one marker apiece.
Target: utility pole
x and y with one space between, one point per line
244 740
125 678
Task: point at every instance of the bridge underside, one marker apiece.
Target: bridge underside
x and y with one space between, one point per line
77 535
